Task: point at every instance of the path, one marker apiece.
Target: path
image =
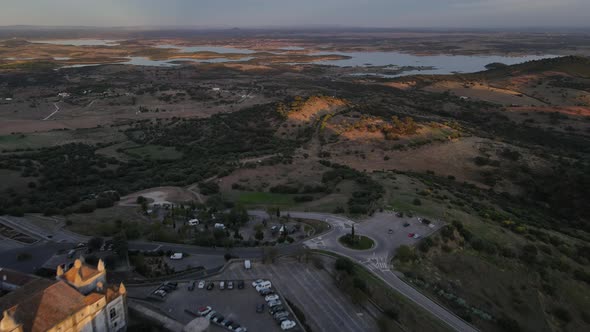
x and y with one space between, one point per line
50 115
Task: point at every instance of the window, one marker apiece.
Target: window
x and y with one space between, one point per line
113 313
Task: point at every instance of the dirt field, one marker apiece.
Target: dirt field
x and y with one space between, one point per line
484 92
159 195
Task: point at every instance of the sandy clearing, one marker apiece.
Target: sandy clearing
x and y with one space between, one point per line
159 195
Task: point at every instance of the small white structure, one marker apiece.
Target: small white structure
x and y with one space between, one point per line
63 94
176 256
216 89
464 98
193 222
219 226
8 99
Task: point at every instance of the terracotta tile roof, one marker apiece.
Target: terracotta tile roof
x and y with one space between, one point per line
92 298
86 272
40 307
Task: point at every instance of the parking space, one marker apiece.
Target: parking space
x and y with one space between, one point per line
313 291
239 305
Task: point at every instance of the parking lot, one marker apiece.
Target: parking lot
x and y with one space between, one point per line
238 305
313 291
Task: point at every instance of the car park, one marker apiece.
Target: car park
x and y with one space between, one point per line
272 297
210 286
230 285
201 284
260 308
287 325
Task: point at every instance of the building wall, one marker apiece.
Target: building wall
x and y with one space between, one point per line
118 322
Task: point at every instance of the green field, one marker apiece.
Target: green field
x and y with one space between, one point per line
264 198
154 152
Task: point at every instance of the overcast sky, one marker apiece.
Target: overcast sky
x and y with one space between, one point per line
253 13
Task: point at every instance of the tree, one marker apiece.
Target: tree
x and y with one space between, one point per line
120 245
352 234
95 243
405 254
344 264
278 213
259 235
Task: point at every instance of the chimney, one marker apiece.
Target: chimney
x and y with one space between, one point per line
60 271
100 266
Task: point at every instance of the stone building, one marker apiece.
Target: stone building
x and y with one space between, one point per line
78 300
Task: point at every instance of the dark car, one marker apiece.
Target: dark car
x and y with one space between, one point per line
266 291
171 284
191 285
218 319
260 308
227 323
210 286
406 224
241 284
234 326
276 309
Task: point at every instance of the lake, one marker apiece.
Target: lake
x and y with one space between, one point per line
79 42
443 64
214 49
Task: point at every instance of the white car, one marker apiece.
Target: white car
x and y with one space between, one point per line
204 310
263 285
201 284
416 236
272 297
287 325
160 293
257 282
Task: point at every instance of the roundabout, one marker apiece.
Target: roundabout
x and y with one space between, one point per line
356 242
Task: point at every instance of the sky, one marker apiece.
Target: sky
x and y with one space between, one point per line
265 13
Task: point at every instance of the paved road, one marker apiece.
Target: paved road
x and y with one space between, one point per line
376 259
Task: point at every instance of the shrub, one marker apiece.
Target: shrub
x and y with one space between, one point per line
344 264
562 314
417 201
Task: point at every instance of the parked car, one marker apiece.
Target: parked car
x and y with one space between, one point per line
222 285
171 284
276 309
400 214
201 284
266 292
161 293
257 282
274 303
241 329
210 286
218 319
202 311
263 285
410 234
272 297
406 224
234 326
287 325
211 314
260 308
241 284
191 285
227 322
230 285
416 236
390 231
281 314
176 256
247 264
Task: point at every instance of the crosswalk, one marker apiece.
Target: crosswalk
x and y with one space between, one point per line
377 263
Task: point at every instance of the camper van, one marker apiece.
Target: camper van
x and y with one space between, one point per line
176 256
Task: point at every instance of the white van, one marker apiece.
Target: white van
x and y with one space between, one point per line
247 264
219 226
193 222
222 285
263 285
176 256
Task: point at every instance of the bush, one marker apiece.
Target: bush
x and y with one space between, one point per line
508 324
405 254
344 264
562 314
417 201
